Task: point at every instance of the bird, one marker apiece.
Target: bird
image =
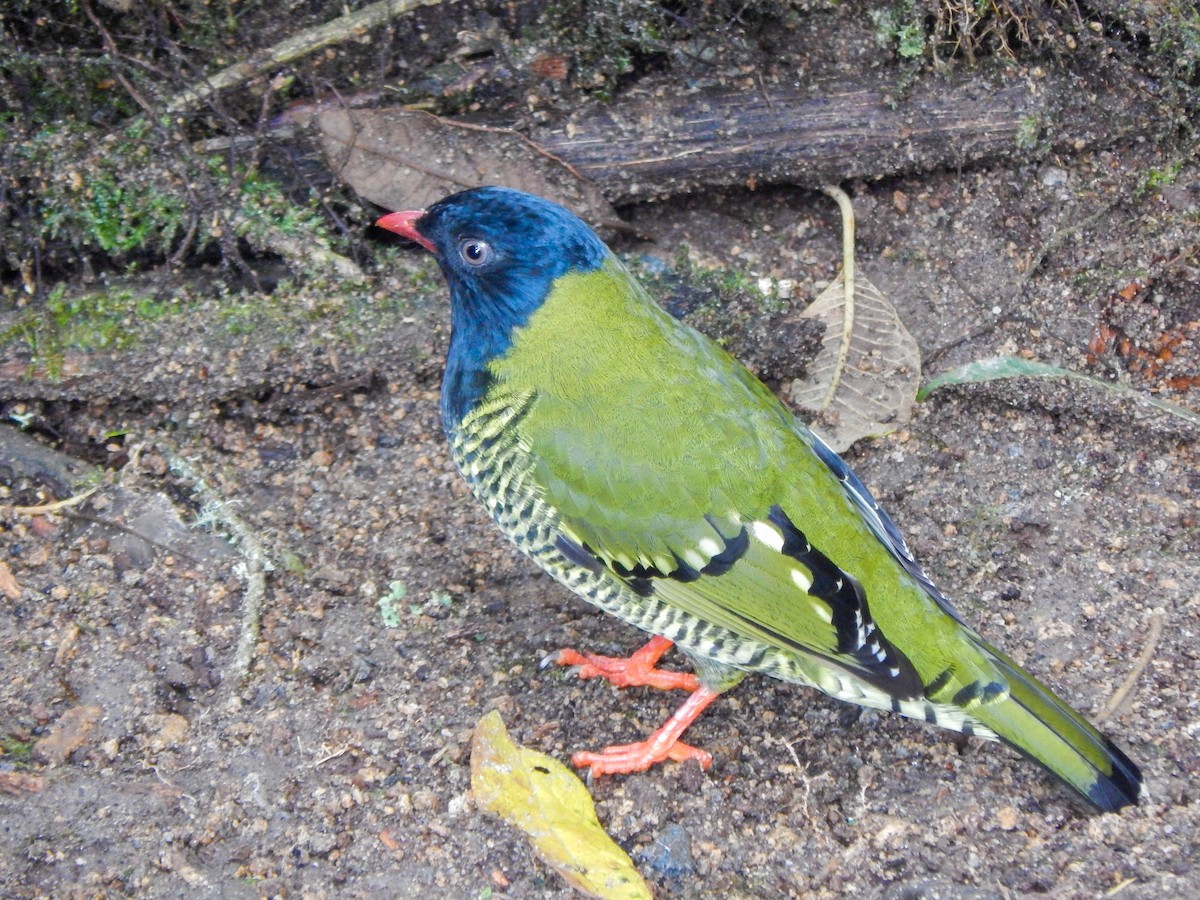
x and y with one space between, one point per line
647 470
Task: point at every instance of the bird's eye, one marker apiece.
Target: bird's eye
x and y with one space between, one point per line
476 253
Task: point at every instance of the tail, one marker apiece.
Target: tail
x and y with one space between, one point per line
1032 720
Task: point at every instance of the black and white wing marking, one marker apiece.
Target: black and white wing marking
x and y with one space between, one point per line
880 523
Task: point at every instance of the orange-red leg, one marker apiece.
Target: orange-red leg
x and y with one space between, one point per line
662 745
637 670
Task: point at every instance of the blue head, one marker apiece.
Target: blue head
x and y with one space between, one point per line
500 251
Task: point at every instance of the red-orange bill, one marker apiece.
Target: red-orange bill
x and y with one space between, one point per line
405 224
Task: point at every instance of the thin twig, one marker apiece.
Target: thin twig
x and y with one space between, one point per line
1122 693
295 47
342 751
256 563
1116 889
111 47
46 508
847 327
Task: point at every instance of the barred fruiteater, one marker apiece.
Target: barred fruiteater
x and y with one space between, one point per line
653 475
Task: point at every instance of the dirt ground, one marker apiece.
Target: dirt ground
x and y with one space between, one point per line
1061 519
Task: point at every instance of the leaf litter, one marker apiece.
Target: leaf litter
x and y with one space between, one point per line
408 159
864 380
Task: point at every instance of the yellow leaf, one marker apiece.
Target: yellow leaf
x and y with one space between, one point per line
548 802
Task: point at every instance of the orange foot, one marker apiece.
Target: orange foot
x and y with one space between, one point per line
634 671
664 744
639 669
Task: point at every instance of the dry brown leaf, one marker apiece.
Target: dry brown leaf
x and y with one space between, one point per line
67 734
869 389
548 802
865 379
408 159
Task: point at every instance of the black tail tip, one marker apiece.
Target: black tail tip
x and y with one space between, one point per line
1121 787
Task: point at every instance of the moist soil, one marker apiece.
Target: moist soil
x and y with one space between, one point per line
1060 518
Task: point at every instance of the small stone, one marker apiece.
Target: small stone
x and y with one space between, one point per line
1053 176
670 856
164 730
153 464
322 844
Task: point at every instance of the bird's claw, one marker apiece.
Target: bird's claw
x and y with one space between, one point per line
572 668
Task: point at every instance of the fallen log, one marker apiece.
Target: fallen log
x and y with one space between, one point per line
658 142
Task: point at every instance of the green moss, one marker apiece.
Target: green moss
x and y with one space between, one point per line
902 27
1157 179
92 320
130 198
102 195
1029 132
1175 32
264 207
389 604
123 318
16 750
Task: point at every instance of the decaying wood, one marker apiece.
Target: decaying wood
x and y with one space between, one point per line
660 141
